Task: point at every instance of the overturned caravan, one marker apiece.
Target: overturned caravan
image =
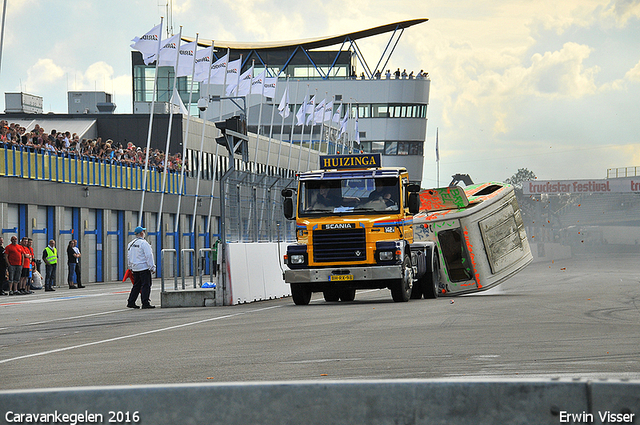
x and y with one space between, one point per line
363 226
478 234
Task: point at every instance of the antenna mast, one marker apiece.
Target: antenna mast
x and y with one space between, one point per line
169 18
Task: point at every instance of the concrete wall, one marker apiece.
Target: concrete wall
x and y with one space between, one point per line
338 402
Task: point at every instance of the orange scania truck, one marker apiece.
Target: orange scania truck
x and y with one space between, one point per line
363 226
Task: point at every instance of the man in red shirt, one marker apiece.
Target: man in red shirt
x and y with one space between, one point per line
26 263
32 266
14 255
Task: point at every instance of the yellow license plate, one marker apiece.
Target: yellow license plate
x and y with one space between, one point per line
339 277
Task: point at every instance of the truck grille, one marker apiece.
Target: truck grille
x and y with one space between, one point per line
339 245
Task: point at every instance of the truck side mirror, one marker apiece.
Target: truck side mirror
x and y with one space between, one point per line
287 193
413 187
287 208
414 202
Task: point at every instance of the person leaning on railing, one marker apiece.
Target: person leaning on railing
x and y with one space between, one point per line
67 145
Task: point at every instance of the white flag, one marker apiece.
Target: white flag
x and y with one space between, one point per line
168 50
318 115
270 87
185 59
310 107
218 70
343 124
283 107
245 83
257 83
203 60
301 111
328 110
148 44
177 101
233 69
336 116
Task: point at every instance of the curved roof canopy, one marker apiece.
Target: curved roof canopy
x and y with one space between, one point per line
309 43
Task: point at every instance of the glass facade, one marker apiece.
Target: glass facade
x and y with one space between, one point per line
143 77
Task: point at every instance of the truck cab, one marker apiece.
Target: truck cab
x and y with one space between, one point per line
354 228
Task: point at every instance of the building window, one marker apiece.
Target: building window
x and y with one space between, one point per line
391 148
377 147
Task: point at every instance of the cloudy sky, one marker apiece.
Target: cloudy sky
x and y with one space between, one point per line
551 86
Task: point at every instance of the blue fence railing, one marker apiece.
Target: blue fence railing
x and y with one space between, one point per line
25 162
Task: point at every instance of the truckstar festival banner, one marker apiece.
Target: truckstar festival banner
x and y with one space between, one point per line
554 187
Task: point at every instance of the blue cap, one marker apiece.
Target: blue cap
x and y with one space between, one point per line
139 230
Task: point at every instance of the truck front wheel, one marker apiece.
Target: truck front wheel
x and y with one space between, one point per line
300 293
401 289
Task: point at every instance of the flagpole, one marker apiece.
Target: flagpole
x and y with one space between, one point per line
200 156
282 125
273 114
153 103
4 15
166 150
313 123
437 160
260 114
324 108
304 124
215 163
293 125
186 136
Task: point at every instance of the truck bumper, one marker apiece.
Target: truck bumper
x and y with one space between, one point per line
358 273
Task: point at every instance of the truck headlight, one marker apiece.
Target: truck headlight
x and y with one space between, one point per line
386 255
296 258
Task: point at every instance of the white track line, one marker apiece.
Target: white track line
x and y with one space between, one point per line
73 347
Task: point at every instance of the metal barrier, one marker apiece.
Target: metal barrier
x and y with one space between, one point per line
201 255
183 268
175 275
251 204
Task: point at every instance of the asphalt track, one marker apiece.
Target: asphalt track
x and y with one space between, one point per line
573 318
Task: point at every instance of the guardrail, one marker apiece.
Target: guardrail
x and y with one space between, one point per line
201 256
29 163
173 263
479 402
183 267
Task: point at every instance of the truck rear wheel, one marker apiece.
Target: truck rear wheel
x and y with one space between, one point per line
347 295
331 295
300 293
401 289
430 282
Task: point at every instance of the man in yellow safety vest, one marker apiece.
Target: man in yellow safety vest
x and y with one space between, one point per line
50 257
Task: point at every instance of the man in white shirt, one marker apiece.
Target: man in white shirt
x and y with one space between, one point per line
141 263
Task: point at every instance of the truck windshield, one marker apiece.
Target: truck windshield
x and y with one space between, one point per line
356 196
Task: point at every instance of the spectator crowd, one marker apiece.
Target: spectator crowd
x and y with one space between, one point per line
63 143
20 266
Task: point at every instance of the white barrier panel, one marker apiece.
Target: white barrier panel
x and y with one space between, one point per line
254 272
487 402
